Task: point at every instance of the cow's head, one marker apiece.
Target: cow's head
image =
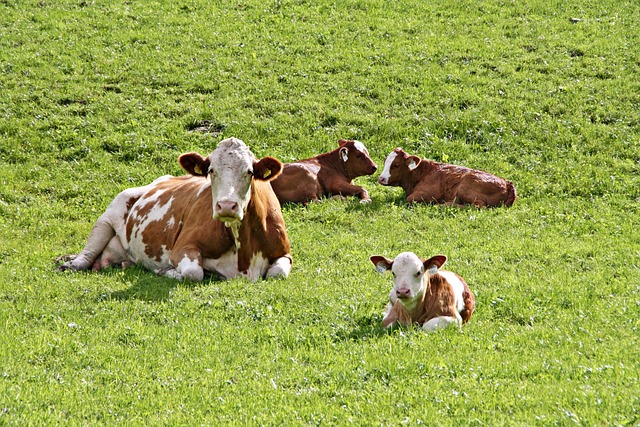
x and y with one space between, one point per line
396 166
409 276
231 167
355 159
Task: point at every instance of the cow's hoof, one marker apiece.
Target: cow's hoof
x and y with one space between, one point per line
65 258
67 266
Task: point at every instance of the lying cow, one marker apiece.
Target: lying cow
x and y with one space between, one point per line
423 294
327 174
180 227
433 182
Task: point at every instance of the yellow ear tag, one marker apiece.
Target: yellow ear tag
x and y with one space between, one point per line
197 170
267 173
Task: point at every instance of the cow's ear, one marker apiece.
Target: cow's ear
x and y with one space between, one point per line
413 162
435 261
344 153
194 163
267 168
382 264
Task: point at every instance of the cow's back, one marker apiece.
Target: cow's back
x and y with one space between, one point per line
466 186
298 182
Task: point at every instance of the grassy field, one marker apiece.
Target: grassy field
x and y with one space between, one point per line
101 95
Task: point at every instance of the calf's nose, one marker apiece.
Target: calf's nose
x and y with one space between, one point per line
403 292
382 180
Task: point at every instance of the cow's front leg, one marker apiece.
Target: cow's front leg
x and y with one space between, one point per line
184 265
281 267
397 315
346 189
389 317
423 196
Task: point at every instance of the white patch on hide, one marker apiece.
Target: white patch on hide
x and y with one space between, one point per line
137 247
360 147
457 286
190 269
281 267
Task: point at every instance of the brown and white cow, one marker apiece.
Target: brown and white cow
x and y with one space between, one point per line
423 294
180 227
432 182
327 174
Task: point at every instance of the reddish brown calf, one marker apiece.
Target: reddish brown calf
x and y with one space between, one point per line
324 175
423 294
432 182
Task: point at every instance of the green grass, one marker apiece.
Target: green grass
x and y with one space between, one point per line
98 96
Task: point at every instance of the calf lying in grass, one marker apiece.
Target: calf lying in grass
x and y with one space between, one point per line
423 294
325 175
427 181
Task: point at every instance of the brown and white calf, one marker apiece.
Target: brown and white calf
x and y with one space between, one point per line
432 182
229 223
423 294
327 174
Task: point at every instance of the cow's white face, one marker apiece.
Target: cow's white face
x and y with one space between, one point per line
231 168
408 275
231 172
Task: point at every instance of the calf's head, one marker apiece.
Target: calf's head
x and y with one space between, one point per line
396 166
232 167
409 274
356 159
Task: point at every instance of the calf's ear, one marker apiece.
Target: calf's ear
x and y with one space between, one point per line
435 261
382 264
413 162
194 163
344 153
267 168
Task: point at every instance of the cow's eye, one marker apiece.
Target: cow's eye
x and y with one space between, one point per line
394 274
250 172
418 274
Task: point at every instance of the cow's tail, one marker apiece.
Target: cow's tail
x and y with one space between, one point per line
511 194
469 305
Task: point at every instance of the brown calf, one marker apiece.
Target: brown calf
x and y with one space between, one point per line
423 294
433 182
327 174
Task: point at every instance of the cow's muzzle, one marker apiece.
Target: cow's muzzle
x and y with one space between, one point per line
227 211
403 293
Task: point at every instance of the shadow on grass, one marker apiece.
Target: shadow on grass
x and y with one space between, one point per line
366 327
352 204
146 286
